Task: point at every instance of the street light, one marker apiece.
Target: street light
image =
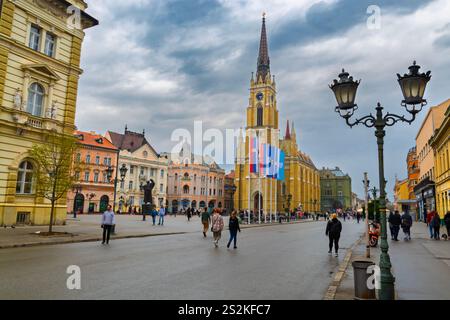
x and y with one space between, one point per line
77 189
413 87
123 172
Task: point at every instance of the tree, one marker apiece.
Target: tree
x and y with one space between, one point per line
55 174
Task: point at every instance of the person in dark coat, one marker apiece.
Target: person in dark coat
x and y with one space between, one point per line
407 222
391 227
447 223
233 225
436 223
396 223
333 231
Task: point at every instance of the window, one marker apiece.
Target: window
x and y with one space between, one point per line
35 99
105 161
78 158
175 189
86 176
50 44
77 176
130 185
97 160
122 184
186 189
105 177
162 173
88 159
131 169
35 37
161 188
96 177
142 171
259 116
25 178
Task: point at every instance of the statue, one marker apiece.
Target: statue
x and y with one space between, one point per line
148 188
51 111
18 99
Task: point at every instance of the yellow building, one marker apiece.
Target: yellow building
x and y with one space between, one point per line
440 142
401 195
301 176
40 47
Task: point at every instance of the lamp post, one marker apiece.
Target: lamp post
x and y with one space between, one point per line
374 191
413 87
123 172
77 189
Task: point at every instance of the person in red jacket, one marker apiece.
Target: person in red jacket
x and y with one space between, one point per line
430 216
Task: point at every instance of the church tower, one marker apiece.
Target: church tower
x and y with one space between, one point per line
262 122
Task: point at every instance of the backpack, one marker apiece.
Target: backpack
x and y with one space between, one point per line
406 222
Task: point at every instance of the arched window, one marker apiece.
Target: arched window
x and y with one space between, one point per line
259 116
186 189
25 178
35 99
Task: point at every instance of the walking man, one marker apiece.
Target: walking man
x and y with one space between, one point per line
233 225
436 222
396 223
333 231
447 223
206 219
217 226
406 225
430 216
162 213
154 213
108 220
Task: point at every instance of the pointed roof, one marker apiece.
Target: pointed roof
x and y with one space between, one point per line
130 141
263 58
288 132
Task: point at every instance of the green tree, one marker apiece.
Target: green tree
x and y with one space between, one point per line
55 174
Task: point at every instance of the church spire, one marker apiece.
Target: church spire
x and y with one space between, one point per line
263 57
287 136
294 135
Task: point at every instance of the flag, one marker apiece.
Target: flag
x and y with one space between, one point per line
281 165
253 155
271 173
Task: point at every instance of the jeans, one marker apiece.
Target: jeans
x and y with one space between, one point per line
154 219
430 227
396 230
233 236
334 240
436 233
161 220
106 233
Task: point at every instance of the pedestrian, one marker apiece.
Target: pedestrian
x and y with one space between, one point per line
447 223
406 225
396 223
217 226
162 213
188 213
358 217
333 231
154 213
206 219
430 216
233 226
391 226
436 222
108 221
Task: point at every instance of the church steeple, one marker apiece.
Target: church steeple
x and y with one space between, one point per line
263 58
287 136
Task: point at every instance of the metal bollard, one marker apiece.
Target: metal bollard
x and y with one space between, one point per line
362 292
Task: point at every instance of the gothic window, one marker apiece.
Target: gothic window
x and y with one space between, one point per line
259 116
25 178
35 99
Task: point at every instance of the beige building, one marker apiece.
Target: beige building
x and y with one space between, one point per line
425 189
40 48
143 164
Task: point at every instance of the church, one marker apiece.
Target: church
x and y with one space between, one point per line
300 188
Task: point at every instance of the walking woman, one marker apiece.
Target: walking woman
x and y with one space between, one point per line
333 231
206 219
234 228
217 226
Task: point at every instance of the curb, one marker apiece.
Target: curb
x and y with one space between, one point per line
35 244
331 292
95 239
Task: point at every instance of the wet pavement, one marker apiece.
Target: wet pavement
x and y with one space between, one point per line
272 262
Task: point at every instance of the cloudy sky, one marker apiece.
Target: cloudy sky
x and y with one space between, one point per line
160 65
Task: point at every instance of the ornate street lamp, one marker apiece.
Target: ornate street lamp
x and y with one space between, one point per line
413 87
76 189
109 172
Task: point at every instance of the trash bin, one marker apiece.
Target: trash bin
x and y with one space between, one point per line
362 291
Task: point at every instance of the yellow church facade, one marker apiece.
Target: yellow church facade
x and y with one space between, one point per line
301 187
40 49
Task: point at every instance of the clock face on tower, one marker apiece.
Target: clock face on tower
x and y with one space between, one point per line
259 96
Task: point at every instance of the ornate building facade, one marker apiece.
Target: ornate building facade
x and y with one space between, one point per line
93 190
143 163
336 189
40 48
301 186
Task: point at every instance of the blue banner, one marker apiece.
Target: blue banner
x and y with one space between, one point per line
280 175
